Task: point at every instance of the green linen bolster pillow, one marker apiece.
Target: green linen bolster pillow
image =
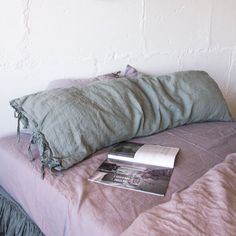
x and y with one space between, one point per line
71 123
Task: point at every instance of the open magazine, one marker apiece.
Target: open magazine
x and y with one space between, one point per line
141 167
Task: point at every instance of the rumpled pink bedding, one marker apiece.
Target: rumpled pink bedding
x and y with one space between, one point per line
208 207
71 205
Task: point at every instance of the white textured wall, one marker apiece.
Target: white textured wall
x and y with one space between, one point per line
44 40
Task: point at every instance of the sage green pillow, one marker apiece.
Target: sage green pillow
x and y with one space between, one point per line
68 124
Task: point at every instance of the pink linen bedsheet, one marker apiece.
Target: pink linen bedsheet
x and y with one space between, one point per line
208 207
71 205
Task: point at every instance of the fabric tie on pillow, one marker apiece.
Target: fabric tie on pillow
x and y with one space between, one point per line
69 124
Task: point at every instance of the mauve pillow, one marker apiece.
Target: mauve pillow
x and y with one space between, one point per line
130 72
66 83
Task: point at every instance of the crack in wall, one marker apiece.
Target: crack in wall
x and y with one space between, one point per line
142 25
229 77
26 17
180 61
210 27
26 13
24 42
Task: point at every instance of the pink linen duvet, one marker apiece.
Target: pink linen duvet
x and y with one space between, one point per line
208 207
71 205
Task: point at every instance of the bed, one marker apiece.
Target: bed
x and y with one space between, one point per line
70 205
66 203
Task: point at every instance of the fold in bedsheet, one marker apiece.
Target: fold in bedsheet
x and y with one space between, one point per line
70 205
208 207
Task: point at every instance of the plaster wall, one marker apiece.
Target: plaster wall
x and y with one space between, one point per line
45 40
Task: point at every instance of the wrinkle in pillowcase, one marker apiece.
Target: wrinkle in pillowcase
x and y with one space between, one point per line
71 123
67 83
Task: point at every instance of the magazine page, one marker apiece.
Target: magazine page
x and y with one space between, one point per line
137 178
149 154
156 155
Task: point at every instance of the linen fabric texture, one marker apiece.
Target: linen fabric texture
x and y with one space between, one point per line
69 124
67 83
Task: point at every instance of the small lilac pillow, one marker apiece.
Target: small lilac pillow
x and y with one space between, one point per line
130 72
66 83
